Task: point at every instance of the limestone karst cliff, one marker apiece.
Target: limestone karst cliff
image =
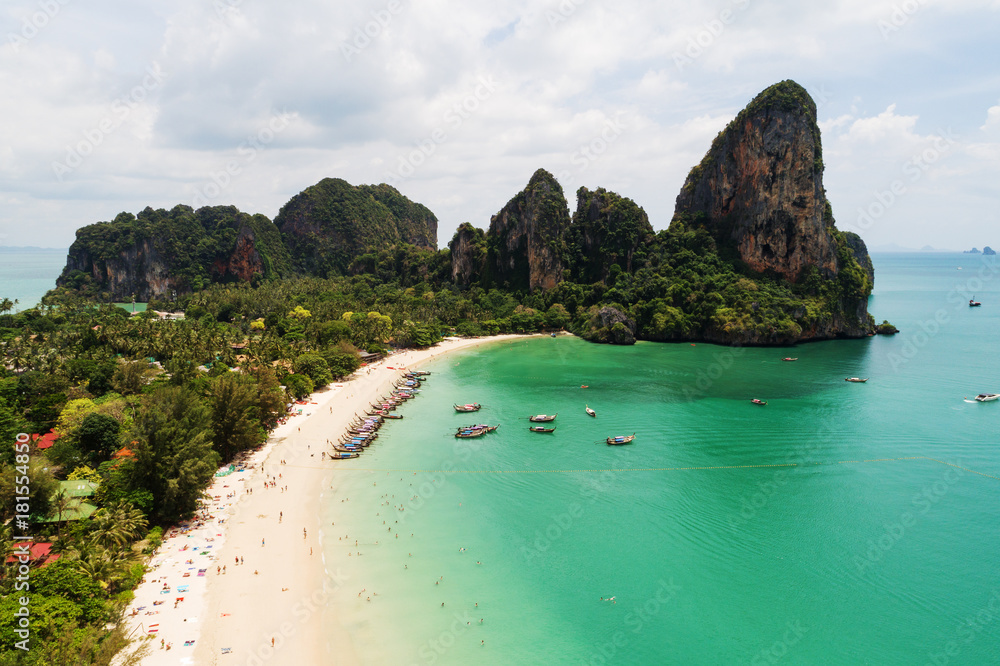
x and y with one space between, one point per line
330 223
760 186
525 242
607 230
759 193
159 252
468 254
752 255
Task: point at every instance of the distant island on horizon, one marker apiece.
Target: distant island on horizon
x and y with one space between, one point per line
888 248
32 248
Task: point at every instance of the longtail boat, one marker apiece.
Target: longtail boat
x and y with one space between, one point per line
466 434
590 412
468 407
620 439
541 429
346 449
480 426
344 456
543 418
758 401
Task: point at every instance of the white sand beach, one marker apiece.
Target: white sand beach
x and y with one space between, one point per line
249 569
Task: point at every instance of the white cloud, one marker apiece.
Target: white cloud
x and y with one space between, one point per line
563 70
992 123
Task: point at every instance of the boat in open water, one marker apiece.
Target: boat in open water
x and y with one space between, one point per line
541 429
973 303
987 397
758 401
467 434
590 412
620 439
856 380
542 418
480 426
468 407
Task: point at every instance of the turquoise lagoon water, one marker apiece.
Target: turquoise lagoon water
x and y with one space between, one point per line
840 524
27 273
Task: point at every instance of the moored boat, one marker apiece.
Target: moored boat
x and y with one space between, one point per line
541 429
343 456
789 358
480 426
466 434
542 418
346 449
758 401
468 407
856 380
590 412
620 439
987 397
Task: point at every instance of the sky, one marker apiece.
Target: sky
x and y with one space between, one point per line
114 105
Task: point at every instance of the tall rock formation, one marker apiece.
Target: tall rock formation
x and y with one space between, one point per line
760 187
607 230
526 239
159 252
468 254
759 192
331 223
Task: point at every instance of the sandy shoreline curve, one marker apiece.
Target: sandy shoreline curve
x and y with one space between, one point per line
269 607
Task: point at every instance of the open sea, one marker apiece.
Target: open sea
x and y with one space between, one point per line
26 274
842 523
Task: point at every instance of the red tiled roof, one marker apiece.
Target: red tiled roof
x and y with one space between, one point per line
40 553
45 441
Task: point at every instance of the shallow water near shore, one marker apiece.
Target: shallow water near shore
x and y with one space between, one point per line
840 523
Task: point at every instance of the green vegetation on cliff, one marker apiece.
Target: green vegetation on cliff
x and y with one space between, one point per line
160 251
526 241
609 234
328 225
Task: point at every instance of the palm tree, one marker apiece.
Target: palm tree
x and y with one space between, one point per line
118 525
60 504
98 564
